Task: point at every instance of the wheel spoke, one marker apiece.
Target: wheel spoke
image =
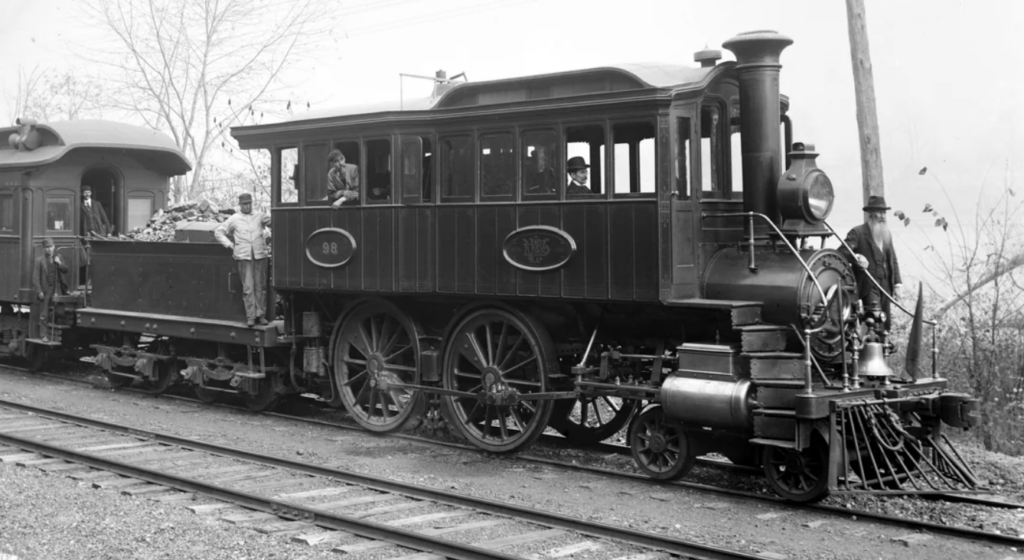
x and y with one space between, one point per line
355 378
374 334
367 348
475 344
394 338
512 352
584 411
389 367
501 342
501 426
392 356
530 360
354 361
373 402
490 344
384 408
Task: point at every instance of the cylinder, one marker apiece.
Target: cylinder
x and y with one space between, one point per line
757 67
716 403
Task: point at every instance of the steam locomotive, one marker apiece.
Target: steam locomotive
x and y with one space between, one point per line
680 298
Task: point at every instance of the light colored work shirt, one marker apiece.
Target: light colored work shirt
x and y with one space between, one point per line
245 233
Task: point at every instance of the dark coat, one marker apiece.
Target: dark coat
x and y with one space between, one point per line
883 265
575 188
41 276
94 219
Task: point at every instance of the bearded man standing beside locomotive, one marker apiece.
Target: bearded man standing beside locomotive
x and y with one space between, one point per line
874 255
243 233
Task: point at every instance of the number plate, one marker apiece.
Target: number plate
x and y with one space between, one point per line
538 248
330 247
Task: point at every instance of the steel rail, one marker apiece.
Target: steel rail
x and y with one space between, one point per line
661 542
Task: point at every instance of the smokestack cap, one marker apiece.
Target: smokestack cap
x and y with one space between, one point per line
758 47
707 57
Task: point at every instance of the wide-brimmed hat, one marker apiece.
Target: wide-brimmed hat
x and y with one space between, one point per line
245 198
576 163
876 203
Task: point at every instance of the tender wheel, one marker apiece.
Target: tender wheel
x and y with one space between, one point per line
500 357
592 419
660 446
267 395
164 378
376 350
799 476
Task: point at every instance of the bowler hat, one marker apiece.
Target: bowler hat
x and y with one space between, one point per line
576 163
86 189
245 198
47 242
876 203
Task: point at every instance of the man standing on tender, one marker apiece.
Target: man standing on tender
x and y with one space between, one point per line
243 232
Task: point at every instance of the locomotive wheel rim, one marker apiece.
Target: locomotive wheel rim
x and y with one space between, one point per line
599 418
267 396
206 395
660 447
495 348
799 476
377 347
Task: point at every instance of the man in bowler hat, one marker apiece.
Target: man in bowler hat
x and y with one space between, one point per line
47 280
875 256
243 234
94 219
578 175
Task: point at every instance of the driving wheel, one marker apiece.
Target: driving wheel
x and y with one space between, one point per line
660 446
376 352
497 358
591 419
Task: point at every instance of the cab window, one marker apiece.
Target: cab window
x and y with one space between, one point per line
457 169
288 178
314 164
378 172
634 158
736 153
540 165
712 171
585 143
497 167
140 209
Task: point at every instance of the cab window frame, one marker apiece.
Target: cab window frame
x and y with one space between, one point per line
343 144
313 171
528 167
716 153
599 166
513 138
69 200
652 169
376 161
278 171
443 166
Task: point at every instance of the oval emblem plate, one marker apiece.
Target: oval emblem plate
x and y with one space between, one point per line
330 247
538 248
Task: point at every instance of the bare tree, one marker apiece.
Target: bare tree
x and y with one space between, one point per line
48 96
194 67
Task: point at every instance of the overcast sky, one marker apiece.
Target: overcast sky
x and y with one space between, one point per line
947 73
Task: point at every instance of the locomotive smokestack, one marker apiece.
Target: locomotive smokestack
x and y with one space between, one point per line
757 64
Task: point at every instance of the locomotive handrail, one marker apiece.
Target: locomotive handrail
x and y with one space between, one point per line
792 249
875 282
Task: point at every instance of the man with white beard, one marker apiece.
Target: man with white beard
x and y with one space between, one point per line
874 255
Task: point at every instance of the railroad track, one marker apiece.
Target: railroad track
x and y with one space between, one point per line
862 515
320 504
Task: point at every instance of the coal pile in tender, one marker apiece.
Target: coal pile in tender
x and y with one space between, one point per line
161 226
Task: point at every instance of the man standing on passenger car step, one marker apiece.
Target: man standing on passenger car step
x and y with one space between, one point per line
243 233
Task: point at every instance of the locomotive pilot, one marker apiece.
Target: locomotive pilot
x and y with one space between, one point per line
578 176
243 233
875 256
342 179
47 280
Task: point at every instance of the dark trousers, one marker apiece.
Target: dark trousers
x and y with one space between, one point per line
876 300
254 287
44 312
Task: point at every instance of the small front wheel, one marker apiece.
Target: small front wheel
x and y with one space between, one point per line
798 476
660 446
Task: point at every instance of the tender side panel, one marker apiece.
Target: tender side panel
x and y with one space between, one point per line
185 279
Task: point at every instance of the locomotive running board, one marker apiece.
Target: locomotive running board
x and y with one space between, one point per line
882 456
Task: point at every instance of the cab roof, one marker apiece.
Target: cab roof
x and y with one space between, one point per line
155 150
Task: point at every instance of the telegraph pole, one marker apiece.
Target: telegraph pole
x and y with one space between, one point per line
864 87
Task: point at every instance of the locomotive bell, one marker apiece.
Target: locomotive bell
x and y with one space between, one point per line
872 361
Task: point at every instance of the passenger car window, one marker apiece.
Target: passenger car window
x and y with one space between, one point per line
140 209
457 169
540 159
58 213
497 166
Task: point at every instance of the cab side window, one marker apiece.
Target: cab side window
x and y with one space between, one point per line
314 157
712 164
634 158
58 213
457 181
378 172
584 145
288 178
497 167
6 212
540 165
